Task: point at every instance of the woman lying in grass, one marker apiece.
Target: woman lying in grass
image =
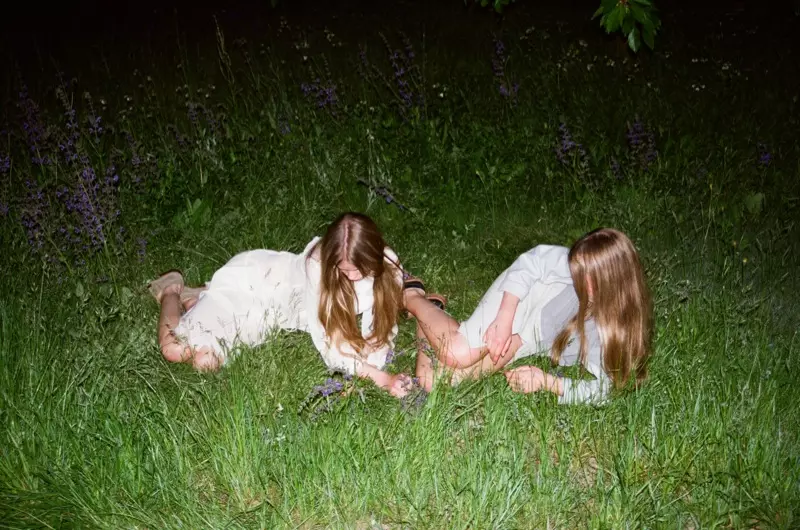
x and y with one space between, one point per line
587 305
348 272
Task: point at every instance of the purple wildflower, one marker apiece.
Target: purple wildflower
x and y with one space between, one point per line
324 94
764 156
142 251
95 127
566 146
192 112
384 193
571 153
642 144
331 386
36 134
507 89
5 164
33 214
616 170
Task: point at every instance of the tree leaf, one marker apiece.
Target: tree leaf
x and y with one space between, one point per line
633 40
639 14
649 37
628 25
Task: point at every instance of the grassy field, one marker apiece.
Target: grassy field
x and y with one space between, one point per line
468 149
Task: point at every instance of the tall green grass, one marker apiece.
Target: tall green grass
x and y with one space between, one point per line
99 431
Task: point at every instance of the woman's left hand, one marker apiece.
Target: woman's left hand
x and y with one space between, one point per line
526 379
399 385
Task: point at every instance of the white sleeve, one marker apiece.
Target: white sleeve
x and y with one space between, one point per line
535 265
591 391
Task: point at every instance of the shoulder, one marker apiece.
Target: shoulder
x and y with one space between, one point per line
312 249
391 256
550 252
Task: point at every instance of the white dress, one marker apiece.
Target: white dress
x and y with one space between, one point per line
542 281
260 291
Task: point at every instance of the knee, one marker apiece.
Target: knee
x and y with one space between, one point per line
174 352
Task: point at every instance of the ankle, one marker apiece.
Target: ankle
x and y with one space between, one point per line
172 289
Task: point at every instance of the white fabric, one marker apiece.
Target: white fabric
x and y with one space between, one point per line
259 291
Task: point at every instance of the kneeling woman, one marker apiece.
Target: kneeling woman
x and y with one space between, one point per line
587 305
348 272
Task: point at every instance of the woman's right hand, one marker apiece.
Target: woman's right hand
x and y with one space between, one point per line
498 337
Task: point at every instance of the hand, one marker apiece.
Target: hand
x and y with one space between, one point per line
526 379
498 338
399 385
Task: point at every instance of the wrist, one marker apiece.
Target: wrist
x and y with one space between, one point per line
554 384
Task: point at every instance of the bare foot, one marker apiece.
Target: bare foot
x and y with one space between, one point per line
171 282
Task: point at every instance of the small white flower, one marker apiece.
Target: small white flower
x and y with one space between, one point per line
441 95
694 59
589 67
583 43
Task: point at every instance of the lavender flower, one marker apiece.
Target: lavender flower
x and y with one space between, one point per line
403 88
142 251
415 399
36 134
192 112
764 156
566 145
3 209
642 145
95 128
390 357
616 170
33 214
383 192
324 397
330 386
507 89
323 94
572 154
5 164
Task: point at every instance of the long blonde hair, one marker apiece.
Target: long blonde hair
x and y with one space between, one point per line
354 237
606 263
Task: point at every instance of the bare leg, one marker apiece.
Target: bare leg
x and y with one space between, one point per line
170 292
171 348
426 369
441 331
485 366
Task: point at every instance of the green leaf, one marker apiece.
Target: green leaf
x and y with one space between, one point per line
633 40
628 25
639 14
649 38
597 13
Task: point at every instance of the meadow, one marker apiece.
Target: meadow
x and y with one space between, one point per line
468 150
